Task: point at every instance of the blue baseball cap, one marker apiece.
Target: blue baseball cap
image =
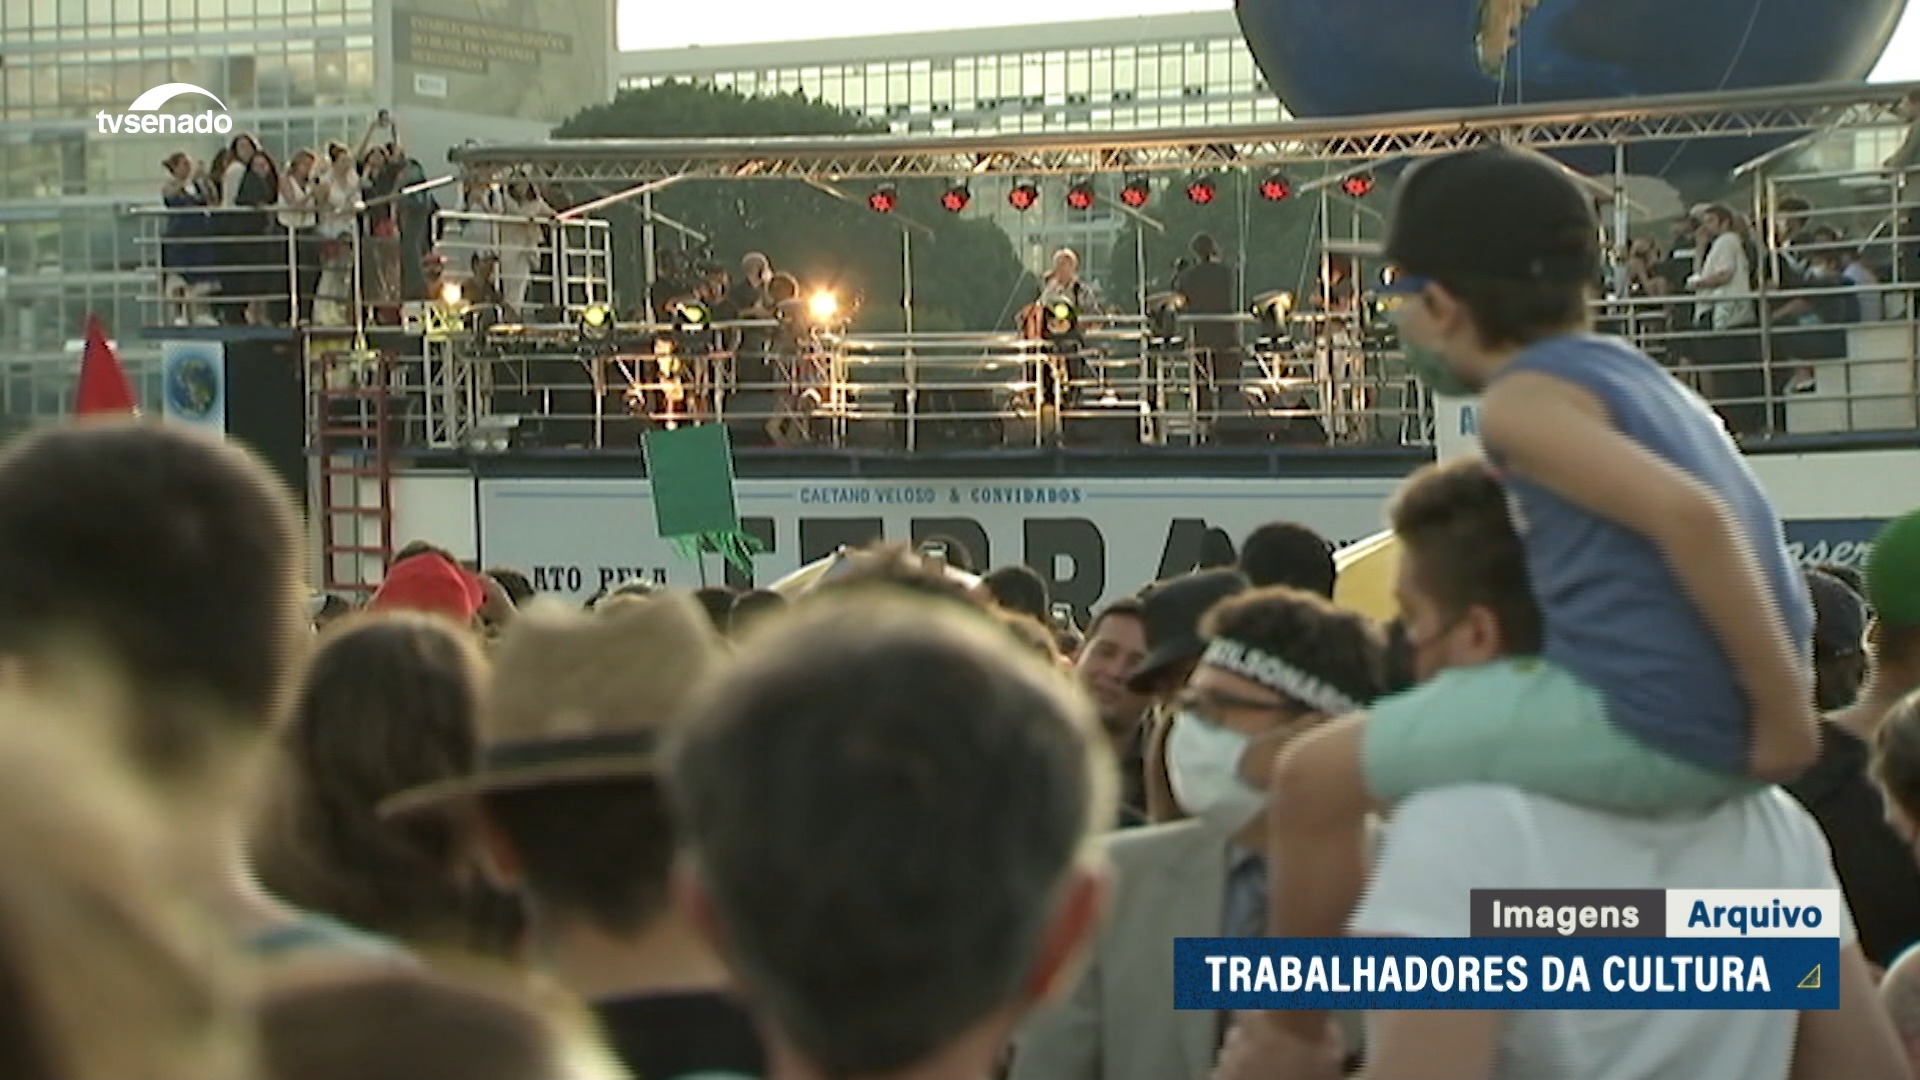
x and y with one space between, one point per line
1403 284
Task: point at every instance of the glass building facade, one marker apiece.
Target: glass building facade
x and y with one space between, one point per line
1100 75
1118 74
294 72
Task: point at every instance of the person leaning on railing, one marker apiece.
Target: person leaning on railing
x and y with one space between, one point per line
262 252
183 254
380 172
298 195
232 232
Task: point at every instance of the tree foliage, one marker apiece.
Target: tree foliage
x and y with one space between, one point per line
963 271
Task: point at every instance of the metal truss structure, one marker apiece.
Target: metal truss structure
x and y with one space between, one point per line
1787 111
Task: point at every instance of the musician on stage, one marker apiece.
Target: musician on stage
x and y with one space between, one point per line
1208 286
1063 283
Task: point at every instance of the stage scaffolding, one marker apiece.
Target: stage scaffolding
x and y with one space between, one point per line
1310 374
1781 111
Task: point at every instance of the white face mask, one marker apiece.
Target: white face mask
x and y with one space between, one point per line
1203 768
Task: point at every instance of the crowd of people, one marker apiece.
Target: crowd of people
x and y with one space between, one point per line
914 823
252 241
1801 280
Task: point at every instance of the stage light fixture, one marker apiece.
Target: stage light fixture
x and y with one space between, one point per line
823 306
1359 185
596 322
1137 192
1023 195
1200 191
1273 310
1163 313
1080 196
1059 319
1276 188
691 317
450 294
883 199
955 199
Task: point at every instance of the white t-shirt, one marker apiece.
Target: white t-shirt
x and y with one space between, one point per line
1442 844
1728 255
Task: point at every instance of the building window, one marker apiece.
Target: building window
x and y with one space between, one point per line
1240 67
1173 69
920 83
1009 85
360 68
1145 75
1079 73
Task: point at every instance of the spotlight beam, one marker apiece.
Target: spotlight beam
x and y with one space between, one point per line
680 227
633 192
896 217
1137 215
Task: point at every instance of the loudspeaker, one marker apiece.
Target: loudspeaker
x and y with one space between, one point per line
1103 425
267 405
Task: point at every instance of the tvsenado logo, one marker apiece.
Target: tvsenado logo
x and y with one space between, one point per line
144 117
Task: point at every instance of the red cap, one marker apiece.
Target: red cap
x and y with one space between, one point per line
431 584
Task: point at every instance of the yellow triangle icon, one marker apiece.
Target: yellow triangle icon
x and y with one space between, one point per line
1812 981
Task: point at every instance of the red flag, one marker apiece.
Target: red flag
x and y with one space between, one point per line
103 385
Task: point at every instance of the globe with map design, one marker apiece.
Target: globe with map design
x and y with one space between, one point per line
1328 58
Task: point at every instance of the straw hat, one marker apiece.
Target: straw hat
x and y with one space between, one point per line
580 696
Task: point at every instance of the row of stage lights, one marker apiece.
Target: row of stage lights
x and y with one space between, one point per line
1025 195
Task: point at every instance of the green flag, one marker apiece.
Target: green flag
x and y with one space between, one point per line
690 471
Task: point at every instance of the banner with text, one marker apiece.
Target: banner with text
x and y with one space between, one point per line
1548 949
1367 974
1094 540
514 59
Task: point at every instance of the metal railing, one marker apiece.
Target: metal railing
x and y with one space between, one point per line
214 266
488 384
1310 379
512 361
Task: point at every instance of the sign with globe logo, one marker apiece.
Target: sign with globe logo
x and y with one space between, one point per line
195 383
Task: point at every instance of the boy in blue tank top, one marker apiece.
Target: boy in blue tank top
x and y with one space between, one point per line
1677 668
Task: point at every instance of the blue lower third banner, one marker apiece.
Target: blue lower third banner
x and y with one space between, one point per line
1363 974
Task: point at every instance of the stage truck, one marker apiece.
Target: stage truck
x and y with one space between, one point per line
1125 416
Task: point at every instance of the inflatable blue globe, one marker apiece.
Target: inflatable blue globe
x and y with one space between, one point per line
1355 57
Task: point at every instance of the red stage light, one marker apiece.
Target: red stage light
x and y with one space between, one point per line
1276 188
883 199
1022 196
1136 193
1080 196
1200 192
1359 185
955 199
